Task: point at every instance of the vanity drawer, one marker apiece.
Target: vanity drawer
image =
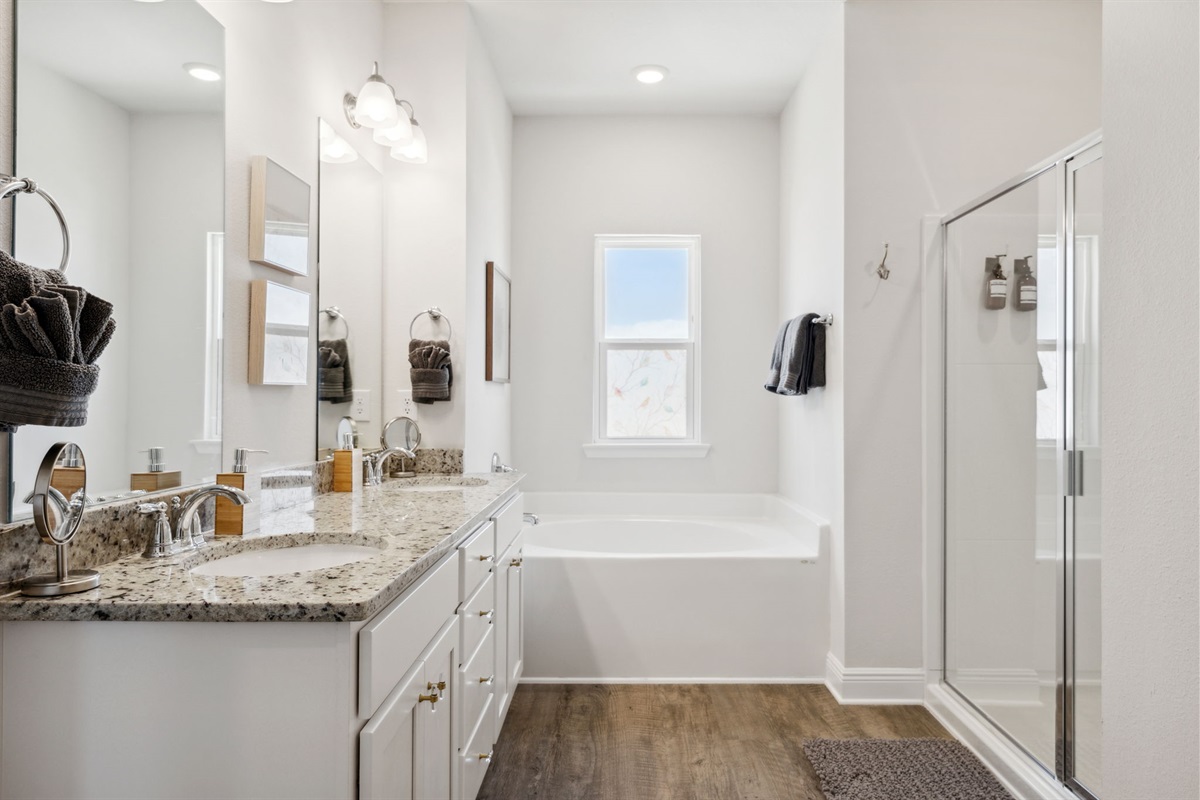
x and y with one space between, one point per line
477 755
509 521
477 615
390 643
475 559
478 684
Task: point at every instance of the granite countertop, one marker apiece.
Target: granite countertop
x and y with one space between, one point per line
413 528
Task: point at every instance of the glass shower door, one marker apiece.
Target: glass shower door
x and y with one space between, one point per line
1081 718
1004 434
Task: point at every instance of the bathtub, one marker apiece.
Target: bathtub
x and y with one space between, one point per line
674 589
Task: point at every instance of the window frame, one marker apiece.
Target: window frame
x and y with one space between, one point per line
601 345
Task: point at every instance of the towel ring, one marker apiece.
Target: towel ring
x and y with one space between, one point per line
336 313
435 314
11 186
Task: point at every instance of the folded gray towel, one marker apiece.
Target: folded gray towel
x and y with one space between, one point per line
773 375
51 334
44 391
798 363
338 357
432 372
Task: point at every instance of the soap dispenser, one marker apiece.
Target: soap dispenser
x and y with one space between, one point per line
234 520
156 477
347 458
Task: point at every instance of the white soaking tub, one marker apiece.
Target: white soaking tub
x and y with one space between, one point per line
624 588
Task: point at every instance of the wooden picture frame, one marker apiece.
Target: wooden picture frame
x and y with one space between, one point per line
280 334
280 229
498 351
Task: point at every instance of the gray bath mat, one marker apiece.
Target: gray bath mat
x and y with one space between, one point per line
900 769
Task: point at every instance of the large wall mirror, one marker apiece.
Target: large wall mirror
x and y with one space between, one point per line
350 292
120 116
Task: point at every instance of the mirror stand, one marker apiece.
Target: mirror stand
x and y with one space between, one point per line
57 516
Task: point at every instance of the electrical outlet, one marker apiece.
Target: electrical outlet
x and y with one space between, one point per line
360 405
408 406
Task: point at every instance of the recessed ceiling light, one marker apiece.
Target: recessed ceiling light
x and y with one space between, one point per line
650 73
201 71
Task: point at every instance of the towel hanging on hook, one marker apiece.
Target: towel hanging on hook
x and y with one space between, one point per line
882 271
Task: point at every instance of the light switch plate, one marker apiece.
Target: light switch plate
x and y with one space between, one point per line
408 406
360 405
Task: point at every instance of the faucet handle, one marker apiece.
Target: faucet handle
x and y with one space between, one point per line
146 509
161 543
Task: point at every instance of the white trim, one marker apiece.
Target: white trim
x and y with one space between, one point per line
1007 687
853 686
1021 775
815 681
601 344
646 450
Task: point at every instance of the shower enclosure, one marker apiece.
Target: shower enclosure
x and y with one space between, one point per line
1022 462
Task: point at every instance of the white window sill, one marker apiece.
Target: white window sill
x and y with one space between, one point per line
207 447
646 450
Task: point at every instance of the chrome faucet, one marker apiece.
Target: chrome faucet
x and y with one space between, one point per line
500 466
186 535
374 462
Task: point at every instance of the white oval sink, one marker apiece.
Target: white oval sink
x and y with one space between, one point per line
285 560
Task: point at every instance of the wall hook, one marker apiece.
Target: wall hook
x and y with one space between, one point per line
882 271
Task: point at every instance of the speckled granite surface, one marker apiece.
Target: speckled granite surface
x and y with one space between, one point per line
413 528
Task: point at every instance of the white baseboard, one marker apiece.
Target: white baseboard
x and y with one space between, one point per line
874 686
617 681
1015 687
1024 778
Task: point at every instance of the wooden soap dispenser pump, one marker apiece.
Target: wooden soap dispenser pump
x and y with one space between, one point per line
234 520
156 477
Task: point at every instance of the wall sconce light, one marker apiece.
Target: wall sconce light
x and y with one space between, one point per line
375 106
335 149
393 121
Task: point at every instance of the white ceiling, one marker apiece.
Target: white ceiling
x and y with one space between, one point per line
725 56
130 53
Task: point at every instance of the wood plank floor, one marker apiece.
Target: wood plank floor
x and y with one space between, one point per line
678 742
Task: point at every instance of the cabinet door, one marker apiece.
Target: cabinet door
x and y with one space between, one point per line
500 659
435 748
515 624
387 750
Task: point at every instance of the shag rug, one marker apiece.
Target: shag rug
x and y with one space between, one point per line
901 769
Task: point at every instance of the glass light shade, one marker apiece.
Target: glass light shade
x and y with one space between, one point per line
415 152
338 151
376 106
397 135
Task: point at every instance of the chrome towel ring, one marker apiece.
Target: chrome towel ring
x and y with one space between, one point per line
10 186
336 313
435 314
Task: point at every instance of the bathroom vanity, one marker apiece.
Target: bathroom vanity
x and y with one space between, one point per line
387 677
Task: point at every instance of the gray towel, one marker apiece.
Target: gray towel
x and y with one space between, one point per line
800 358
432 373
51 335
335 386
776 370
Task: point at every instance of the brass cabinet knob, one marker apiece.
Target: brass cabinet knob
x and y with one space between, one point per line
516 562
485 756
487 614
488 679
440 685
427 698
485 558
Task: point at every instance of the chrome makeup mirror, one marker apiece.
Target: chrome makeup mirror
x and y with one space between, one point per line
59 498
401 432
347 434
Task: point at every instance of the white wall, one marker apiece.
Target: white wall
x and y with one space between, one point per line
285 66
97 203
172 156
489 225
1149 397
943 101
575 177
812 221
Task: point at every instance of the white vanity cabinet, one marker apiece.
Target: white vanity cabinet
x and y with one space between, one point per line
407 704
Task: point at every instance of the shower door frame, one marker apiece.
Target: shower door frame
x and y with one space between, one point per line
1063 165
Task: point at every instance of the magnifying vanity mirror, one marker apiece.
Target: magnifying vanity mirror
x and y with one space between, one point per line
401 432
58 499
120 115
350 290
